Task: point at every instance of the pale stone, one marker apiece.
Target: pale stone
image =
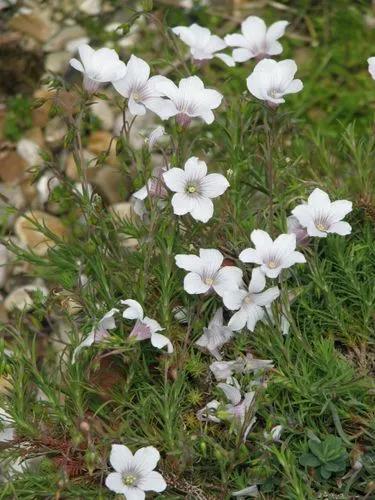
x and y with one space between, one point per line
110 182
57 62
63 37
99 142
71 167
55 132
29 151
104 112
12 167
34 23
20 298
34 239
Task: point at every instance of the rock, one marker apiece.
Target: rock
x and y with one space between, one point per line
140 129
35 134
3 262
90 7
29 151
99 142
110 183
124 210
20 298
71 167
57 62
34 23
12 166
34 239
102 110
11 195
60 40
55 132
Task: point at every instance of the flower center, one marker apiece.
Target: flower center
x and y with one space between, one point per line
129 480
248 299
272 264
274 93
209 281
191 189
321 227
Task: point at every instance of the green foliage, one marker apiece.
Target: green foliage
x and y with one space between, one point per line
327 457
18 117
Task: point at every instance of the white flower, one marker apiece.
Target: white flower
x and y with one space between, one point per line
145 328
134 473
371 66
275 433
190 99
140 90
98 333
206 272
271 80
250 491
256 40
155 136
320 216
272 256
250 302
215 335
202 44
98 66
194 189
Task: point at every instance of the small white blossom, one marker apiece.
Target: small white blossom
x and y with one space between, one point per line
257 40
194 189
275 433
155 137
155 186
98 66
98 333
215 335
320 216
271 80
134 473
141 91
203 45
250 302
371 66
294 227
272 256
145 328
206 272
190 99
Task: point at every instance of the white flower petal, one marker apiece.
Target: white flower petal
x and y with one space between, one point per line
342 228
319 198
276 31
121 457
132 493
146 459
211 258
257 282
202 209
195 169
189 262
134 311
175 179
254 314
267 297
250 255
153 481
182 203
227 279
193 284
238 320
213 185
158 340
261 239
227 59
115 483
233 394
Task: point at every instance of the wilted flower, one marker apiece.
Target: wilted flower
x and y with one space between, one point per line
294 227
271 80
320 216
134 473
203 45
145 328
215 335
190 99
141 91
371 66
206 272
255 364
98 333
98 66
275 433
250 491
257 40
155 136
155 186
222 370
250 302
208 412
272 256
194 189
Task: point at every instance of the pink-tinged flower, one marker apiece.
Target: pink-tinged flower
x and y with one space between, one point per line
203 45
222 370
190 99
155 186
271 80
257 40
207 273
272 256
321 217
141 91
294 227
215 335
145 328
98 333
250 303
134 474
98 66
371 66
194 189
